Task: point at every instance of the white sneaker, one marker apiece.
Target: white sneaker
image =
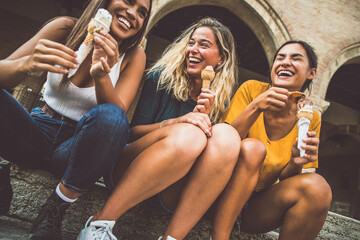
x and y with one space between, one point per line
97 230
167 238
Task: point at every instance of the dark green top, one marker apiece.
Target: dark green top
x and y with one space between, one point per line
155 106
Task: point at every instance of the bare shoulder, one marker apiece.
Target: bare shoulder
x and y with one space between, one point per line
63 21
135 56
58 29
137 53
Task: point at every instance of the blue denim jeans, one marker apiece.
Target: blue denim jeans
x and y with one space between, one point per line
80 153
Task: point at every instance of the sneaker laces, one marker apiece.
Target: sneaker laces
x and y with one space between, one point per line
102 231
53 212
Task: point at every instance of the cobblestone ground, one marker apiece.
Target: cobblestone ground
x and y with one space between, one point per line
10 230
31 189
16 229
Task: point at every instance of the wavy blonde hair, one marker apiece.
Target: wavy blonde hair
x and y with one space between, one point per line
174 77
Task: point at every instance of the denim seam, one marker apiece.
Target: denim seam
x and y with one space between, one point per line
63 180
72 187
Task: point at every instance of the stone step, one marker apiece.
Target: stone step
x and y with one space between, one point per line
32 187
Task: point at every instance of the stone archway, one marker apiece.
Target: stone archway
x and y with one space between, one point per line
258 15
341 130
349 54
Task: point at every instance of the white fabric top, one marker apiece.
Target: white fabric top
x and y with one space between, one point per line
72 101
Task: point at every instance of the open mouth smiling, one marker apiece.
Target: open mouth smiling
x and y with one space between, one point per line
125 22
194 60
285 73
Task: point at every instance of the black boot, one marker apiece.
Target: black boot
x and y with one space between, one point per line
47 224
6 192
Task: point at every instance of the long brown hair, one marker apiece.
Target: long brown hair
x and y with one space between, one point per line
79 32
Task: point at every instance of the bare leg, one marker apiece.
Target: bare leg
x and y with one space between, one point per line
166 157
239 189
298 204
205 181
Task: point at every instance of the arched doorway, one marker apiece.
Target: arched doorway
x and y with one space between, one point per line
257 38
258 15
252 58
340 165
340 143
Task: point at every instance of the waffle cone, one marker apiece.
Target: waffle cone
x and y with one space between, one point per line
296 96
206 84
207 76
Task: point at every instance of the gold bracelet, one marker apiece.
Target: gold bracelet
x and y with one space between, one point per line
163 123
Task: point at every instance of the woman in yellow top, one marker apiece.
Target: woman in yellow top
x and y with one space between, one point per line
298 202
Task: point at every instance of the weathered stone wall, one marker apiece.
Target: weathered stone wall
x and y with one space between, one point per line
328 25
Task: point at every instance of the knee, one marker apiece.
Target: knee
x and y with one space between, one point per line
110 119
315 189
252 153
224 144
186 140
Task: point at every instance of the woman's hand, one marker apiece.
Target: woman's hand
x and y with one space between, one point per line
201 120
205 101
50 56
311 148
273 99
105 54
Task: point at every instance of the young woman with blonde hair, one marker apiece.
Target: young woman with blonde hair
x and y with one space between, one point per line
177 156
80 132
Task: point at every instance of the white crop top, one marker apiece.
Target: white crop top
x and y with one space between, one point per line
72 101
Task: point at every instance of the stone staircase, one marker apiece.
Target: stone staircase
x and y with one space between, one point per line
32 187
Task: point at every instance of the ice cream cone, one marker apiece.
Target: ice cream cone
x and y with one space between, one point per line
101 21
207 76
296 96
304 116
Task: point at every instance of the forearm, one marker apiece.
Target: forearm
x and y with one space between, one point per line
12 72
290 170
105 92
141 130
246 119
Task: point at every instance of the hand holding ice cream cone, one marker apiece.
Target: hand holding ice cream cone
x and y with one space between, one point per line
206 98
304 116
101 22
